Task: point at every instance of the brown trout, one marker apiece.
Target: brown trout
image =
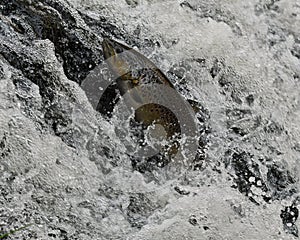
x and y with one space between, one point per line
133 72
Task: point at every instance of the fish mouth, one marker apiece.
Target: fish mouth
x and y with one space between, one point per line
112 48
108 48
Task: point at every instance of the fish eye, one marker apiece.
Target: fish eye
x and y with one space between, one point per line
118 50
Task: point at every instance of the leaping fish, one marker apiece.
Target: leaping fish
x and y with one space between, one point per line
133 71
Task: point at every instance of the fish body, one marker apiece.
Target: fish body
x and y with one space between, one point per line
133 73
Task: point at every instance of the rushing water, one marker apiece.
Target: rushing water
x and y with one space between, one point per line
73 171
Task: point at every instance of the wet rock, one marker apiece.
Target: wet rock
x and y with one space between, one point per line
250 99
193 220
275 35
266 5
132 3
75 45
79 50
3 146
181 191
296 50
247 174
281 181
273 128
289 216
140 207
217 67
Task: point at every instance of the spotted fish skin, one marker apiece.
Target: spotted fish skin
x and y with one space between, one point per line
133 67
133 71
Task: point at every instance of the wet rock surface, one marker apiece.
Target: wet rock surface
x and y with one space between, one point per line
65 171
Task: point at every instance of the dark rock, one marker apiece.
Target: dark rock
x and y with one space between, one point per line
289 217
247 173
4 149
74 43
216 68
273 128
250 99
139 209
281 181
193 220
275 35
296 50
181 191
266 5
132 3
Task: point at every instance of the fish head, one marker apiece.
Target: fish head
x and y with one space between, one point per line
116 56
112 48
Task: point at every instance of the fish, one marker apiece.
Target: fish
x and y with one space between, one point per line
133 72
